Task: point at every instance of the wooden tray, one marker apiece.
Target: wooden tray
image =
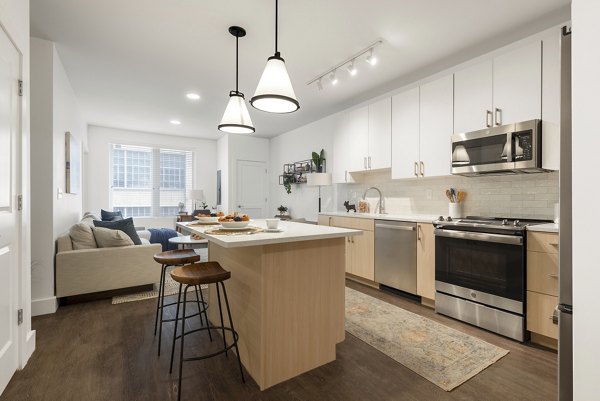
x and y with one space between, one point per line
242 231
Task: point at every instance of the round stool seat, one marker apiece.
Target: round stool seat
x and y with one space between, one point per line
200 273
177 257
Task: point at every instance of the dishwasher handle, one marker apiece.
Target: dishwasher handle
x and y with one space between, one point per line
393 227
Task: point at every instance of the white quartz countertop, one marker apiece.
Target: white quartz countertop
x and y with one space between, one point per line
417 218
290 232
548 228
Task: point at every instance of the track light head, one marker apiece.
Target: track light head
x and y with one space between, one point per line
371 59
320 84
332 78
352 69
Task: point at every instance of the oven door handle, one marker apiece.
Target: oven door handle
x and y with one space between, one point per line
484 237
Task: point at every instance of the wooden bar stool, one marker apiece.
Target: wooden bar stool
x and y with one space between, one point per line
175 258
194 275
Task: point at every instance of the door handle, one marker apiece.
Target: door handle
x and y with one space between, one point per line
498 116
422 169
416 168
240 206
488 118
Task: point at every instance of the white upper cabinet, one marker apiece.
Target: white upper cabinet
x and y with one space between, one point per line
473 97
405 134
380 134
341 142
551 100
504 90
436 116
358 148
518 85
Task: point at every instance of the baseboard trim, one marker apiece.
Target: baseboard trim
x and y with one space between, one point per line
28 349
43 306
361 280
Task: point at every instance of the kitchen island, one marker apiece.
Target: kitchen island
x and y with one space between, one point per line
286 294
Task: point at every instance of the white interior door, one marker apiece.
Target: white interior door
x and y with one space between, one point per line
10 73
252 188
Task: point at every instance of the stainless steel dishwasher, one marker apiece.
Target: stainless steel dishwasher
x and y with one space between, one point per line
396 254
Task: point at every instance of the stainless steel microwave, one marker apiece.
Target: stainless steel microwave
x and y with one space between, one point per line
506 149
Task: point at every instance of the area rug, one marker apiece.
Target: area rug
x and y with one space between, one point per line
171 286
442 355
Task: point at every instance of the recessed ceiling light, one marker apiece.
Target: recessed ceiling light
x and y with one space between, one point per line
193 96
175 122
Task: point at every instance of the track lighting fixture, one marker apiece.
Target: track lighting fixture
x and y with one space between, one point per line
350 64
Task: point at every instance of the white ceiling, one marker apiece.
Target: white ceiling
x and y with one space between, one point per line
131 62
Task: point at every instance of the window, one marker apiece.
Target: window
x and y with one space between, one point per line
149 182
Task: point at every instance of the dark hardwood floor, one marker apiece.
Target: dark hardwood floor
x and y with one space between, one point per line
98 351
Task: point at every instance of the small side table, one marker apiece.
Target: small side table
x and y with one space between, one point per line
187 240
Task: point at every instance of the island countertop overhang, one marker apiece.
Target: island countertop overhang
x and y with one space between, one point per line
291 232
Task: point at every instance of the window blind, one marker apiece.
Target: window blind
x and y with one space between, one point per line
150 182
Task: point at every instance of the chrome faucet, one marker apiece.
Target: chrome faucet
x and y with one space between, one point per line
381 199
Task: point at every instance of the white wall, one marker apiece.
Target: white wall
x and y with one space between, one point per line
54 111
98 171
586 192
14 17
298 145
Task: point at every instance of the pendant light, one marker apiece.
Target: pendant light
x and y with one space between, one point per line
275 93
236 119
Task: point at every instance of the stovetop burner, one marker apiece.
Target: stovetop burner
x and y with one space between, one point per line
483 223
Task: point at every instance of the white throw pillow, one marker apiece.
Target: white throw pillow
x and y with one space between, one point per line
82 237
109 238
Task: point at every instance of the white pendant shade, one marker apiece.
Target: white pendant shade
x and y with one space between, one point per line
314 179
275 93
236 119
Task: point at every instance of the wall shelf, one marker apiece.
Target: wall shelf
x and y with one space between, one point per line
296 172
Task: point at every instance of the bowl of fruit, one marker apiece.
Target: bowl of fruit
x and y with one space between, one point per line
208 218
233 222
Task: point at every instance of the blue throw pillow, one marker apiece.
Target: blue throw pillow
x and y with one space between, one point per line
125 225
105 215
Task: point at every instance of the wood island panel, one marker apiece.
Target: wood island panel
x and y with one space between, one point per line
287 302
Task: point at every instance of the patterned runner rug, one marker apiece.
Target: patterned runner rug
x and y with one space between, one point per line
440 354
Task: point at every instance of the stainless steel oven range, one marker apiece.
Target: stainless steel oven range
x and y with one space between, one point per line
480 271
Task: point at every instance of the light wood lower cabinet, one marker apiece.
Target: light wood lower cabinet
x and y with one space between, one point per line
542 287
425 261
360 249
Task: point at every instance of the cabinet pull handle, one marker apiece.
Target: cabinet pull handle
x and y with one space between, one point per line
551 317
353 240
418 233
422 169
369 162
552 275
488 118
365 162
554 244
498 116
416 167
330 221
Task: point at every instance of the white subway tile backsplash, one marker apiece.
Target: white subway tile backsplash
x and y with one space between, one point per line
524 196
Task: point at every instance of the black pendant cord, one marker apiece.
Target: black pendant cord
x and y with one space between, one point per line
276 26
237 39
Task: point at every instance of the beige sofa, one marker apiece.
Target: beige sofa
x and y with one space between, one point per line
101 269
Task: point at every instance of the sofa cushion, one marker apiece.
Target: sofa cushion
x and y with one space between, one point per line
125 225
82 236
109 238
110 216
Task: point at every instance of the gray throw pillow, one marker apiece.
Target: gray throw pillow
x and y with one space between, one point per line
108 238
82 237
125 225
110 216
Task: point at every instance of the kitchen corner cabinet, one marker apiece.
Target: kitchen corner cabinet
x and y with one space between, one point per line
425 261
504 90
360 249
380 135
542 286
422 130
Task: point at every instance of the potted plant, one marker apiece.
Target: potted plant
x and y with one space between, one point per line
318 159
287 183
282 210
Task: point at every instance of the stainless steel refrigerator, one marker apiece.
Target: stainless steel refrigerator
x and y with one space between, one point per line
564 310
